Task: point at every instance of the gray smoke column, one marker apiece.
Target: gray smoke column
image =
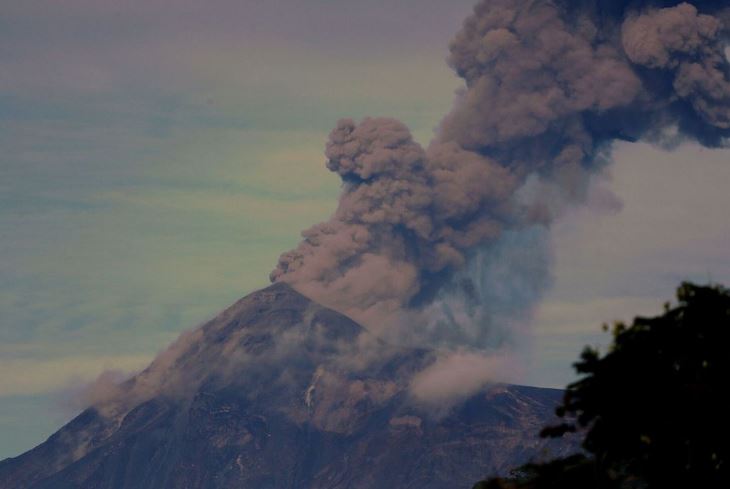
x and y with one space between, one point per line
455 234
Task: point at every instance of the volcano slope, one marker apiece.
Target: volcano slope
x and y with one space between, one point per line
279 392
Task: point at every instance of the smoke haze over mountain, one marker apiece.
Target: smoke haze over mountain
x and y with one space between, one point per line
157 160
447 245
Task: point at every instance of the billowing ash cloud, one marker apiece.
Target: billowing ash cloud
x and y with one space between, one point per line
455 233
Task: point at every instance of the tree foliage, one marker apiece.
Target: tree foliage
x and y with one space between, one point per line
653 409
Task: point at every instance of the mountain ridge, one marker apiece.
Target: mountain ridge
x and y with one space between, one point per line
268 395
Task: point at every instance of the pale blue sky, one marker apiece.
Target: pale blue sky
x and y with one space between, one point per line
158 156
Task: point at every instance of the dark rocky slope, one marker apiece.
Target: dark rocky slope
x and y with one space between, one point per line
271 395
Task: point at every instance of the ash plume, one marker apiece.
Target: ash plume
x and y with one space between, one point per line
452 238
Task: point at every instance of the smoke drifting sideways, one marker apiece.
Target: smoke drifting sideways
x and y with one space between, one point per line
448 245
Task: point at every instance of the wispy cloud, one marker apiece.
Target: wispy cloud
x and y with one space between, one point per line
21 377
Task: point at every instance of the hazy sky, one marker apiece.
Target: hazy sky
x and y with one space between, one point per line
158 156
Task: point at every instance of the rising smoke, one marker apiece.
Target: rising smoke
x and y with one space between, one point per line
452 238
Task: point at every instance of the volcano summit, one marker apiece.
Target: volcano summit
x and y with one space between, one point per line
272 393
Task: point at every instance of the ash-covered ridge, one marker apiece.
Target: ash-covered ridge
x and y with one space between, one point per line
275 393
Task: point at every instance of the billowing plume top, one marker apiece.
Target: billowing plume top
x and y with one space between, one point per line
549 85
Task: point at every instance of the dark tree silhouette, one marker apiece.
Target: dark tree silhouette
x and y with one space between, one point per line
654 409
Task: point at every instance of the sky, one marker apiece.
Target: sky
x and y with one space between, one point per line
158 156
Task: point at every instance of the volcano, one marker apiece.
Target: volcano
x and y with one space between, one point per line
280 392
